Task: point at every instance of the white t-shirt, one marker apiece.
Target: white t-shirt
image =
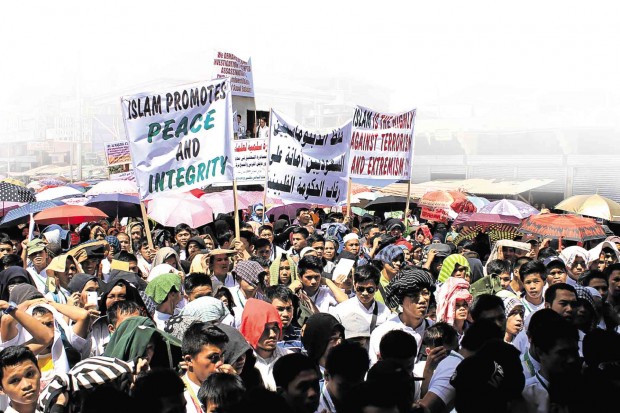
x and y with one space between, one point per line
394 323
262 131
324 299
265 367
229 281
536 395
190 406
353 305
440 381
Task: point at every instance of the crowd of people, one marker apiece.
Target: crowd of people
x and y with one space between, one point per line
319 312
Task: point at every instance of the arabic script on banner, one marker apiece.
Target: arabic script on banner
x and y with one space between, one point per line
305 166
250 161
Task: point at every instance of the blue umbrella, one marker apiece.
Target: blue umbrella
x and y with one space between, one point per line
21 215
117 205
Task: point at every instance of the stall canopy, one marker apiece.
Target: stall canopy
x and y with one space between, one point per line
491 187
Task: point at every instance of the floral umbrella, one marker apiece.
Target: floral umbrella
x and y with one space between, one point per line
455 200
570 227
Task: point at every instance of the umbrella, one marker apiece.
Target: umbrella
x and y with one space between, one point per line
69 214
15 193
570 227
52 182
224 201
117 205
79 187
495 232
478 201
176 209
289 210
455 200
113 187
78 200
517 209
471 219
591 205
390 202
21 215
58 192
14 181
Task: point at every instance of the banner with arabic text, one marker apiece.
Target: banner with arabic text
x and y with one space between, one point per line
250 161
306 166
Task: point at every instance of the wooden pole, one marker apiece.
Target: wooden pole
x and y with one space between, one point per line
349 190
237 225
267 169
147 227
405 221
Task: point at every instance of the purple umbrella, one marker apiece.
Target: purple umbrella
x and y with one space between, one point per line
510 207
471 219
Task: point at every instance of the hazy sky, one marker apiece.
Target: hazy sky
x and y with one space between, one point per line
506 58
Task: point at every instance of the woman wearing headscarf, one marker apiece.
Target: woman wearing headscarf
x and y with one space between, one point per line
476 269
283 270
331 249
167 255
416 253
453 301
454 265
514 316
389 260
576 259
258 214
10 277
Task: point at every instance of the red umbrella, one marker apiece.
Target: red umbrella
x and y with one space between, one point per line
69 214
471 219
455 200
570 227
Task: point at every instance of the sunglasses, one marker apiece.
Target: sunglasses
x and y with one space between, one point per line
371 290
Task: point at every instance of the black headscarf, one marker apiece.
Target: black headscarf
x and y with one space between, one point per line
13 275
79 281
132 294
317 332
24 292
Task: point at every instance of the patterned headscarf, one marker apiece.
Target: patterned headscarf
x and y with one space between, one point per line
206 309
409 279
248 271
449 264
452 290
388 254
114 243
510 303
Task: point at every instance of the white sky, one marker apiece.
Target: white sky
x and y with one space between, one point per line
498 55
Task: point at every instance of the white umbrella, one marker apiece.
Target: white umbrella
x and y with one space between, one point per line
58 192
113 187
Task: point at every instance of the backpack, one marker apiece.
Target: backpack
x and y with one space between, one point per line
489 284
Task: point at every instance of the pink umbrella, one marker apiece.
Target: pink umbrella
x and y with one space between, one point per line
290 210
223 202
177 209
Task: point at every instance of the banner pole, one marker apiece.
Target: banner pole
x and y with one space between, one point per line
237 225
406 221
267 169
349 190
147 227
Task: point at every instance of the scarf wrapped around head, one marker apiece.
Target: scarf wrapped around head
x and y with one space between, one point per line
570 254
510 303
452 290
206 309
255 216
449 264
409 280
163 254
388 254
255 316
274 270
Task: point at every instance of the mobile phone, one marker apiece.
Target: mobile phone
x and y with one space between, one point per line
91 298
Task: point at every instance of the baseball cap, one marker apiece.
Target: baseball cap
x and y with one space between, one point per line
36 245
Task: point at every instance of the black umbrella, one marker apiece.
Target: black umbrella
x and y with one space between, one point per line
387 203
15 193
117 205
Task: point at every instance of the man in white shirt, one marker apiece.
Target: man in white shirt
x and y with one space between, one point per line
262 328
365 282
202 351
557 349
219 264
20 379
261 130
322 291
410 291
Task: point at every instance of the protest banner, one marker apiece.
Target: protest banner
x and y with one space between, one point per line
434 214
239 71
117 153
123 176
180 139
381 144
250 161
305 166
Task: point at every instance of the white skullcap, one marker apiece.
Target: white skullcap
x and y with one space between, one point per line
305 251
349 237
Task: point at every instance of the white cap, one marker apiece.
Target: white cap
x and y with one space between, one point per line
349 237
